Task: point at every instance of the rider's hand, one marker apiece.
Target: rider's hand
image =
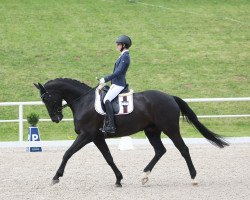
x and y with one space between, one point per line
102 81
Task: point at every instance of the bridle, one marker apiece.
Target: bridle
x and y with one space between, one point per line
58 109
76 99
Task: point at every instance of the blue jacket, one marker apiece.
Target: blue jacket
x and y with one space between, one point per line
120 69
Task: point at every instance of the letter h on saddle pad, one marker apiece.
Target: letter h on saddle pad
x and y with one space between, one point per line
122 105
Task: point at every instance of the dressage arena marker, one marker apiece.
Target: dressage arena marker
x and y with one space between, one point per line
126 143
34 135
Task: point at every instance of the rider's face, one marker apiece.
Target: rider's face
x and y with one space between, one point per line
119 46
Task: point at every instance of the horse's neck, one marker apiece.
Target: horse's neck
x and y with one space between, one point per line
69 95
70 92
72 96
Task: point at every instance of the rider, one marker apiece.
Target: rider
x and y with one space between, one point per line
118 81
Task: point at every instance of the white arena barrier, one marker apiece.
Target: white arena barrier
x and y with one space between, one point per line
21 119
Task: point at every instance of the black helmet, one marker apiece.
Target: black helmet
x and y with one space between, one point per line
125 40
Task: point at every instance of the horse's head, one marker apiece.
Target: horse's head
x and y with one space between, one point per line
52 101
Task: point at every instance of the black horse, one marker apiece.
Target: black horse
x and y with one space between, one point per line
154 112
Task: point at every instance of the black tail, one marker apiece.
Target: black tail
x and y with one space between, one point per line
186 111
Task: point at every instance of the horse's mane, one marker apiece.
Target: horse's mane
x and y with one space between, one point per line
74 82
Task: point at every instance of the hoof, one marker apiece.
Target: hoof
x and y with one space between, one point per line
53 182
194 182
145 177
144 180
118 185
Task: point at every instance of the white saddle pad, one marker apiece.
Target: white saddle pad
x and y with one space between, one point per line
126 104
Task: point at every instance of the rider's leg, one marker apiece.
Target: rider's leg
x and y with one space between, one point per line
109 124
111 94
113 91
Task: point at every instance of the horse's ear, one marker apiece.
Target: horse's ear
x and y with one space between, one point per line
42 88
37 86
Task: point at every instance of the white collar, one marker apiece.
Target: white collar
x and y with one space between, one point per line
126 50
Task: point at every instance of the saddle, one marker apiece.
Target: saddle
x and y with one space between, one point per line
122 104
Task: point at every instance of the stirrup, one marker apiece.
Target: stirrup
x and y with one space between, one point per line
107 130
105 122
110 130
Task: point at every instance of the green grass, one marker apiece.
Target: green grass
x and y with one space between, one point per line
191 49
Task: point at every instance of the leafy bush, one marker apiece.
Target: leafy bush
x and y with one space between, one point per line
33 119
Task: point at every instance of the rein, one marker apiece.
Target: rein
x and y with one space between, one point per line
72 101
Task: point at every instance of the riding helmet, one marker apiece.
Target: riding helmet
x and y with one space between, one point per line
124 40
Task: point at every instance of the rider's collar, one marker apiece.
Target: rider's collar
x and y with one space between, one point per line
125 50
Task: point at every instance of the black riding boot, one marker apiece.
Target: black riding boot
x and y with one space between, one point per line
109 124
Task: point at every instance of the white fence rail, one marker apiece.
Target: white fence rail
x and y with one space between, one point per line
21 105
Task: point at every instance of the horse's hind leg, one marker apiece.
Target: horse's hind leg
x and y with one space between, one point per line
175 136
154 137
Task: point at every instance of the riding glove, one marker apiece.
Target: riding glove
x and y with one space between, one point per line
102 81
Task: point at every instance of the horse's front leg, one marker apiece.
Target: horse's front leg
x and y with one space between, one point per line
103 147
80 141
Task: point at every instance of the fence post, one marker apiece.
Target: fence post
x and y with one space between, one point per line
20 123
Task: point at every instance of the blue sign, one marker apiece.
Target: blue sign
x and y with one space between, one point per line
34 136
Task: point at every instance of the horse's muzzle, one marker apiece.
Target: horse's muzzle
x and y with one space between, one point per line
56 118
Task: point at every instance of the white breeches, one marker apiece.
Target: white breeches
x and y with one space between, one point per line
113 91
